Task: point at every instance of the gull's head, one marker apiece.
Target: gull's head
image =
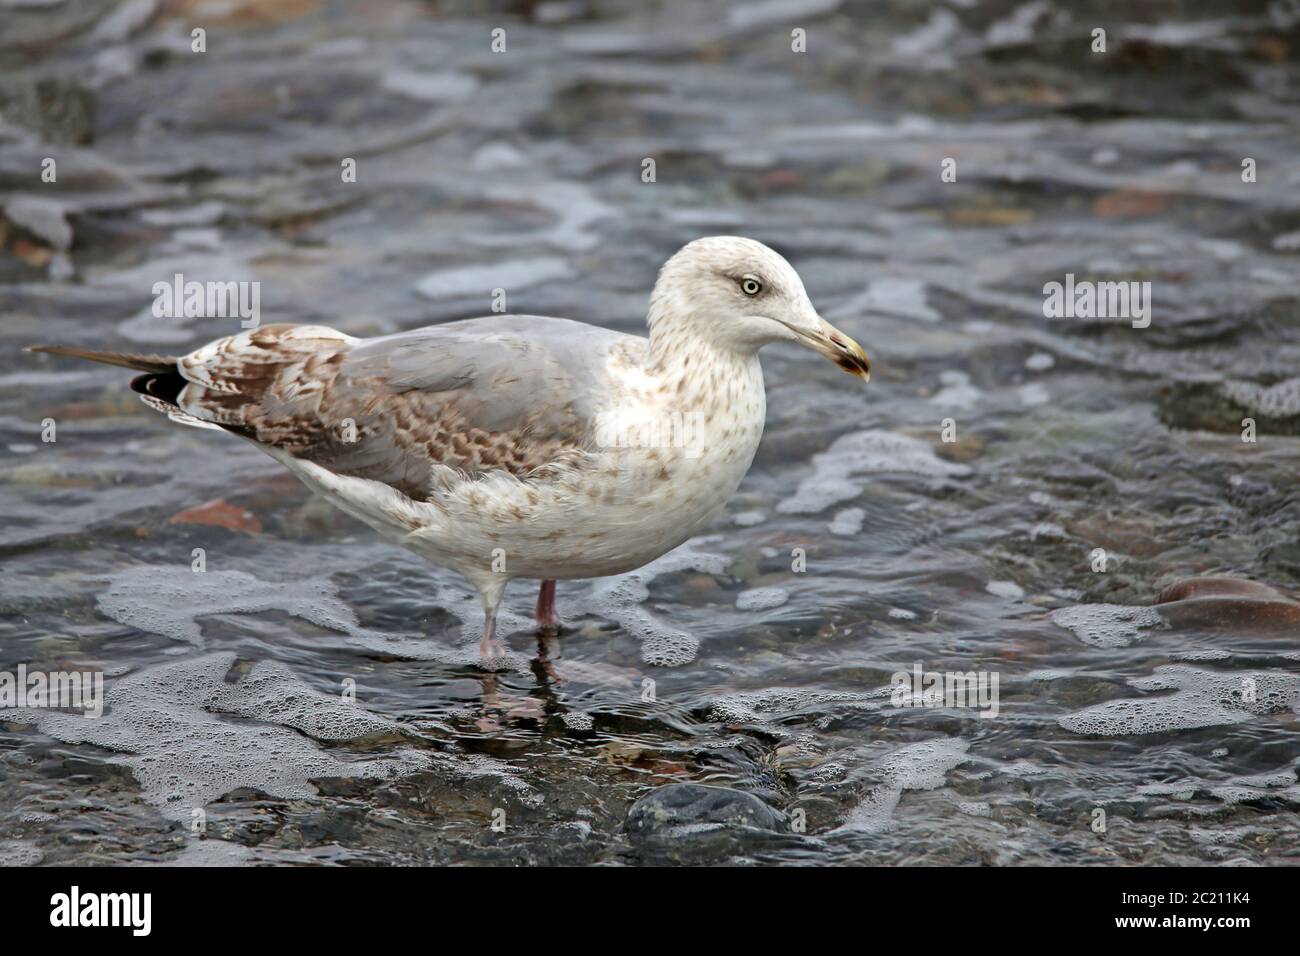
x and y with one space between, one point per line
739 295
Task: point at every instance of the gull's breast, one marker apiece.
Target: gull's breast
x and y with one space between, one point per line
662 470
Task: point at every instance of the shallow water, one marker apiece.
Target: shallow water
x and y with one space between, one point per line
227 691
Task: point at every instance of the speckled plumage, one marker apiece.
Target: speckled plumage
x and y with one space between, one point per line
518 446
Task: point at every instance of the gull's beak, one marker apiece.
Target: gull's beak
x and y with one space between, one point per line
827 340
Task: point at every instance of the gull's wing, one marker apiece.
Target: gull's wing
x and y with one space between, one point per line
505 393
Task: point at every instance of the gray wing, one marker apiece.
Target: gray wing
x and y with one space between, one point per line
505 393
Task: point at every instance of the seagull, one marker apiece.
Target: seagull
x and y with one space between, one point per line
517 446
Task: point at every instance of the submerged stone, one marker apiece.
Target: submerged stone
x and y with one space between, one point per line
684 810
1229 602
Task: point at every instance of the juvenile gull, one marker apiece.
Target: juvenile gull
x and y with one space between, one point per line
517 446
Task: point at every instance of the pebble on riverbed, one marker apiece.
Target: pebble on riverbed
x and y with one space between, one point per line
1219 603
1222 602
696 812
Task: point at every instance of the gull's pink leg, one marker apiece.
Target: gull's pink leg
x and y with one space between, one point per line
547 619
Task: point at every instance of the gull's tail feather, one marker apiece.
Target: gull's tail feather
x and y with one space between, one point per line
159 364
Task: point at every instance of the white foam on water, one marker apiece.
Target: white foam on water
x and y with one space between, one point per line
1020 769
1181 790
1276 787
848 522
1107 625
42 216
902 614
1272 276
1047 531
862 453
924 765
780 704
1192 657
1233 795
574 207
18 853
168 600
1225 836
1269 779
481 766
1035 393
875 812
166 724
272 692
206 213
1201 698
1287 242
498 155
931 41
765 13
481 280
1020 26
213 852
919 766
620 600
576 720
761 599
895 296
1275 401
431 87
1005 589
958 392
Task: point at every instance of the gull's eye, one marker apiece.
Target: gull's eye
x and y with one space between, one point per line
750 286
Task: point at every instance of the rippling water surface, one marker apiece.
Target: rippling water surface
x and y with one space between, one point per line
1094 464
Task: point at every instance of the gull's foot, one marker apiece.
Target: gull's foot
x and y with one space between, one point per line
491 651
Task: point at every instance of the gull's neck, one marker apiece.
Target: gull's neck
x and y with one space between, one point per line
719 393
689 363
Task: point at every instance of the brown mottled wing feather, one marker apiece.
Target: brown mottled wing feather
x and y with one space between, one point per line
506 393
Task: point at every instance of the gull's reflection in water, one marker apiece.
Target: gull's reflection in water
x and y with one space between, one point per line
500 708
